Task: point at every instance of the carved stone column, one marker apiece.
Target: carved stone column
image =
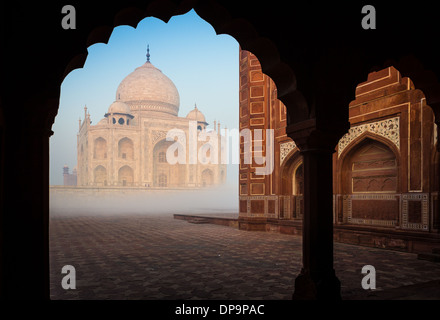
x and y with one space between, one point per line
317 279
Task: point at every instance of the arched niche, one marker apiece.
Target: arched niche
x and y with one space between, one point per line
175 173
292 186
125 176
369 183
99 148
126 149
100 176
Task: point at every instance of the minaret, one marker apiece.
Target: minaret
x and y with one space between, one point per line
65 175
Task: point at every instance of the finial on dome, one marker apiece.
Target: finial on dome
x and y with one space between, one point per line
195 105
148 53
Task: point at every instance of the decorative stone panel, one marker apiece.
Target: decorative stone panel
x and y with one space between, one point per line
389 129
285 149
415 207
258 206
350 217
158 135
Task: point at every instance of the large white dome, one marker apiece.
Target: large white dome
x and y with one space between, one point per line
147 88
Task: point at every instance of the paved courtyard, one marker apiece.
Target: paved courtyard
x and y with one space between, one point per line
157 257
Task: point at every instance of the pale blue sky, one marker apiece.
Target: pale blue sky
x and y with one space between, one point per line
203 66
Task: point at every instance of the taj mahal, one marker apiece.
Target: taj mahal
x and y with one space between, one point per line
128 147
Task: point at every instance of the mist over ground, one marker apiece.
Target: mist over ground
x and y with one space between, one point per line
215 200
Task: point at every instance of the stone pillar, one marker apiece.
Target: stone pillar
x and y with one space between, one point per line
24 211
436 211
317 279
25 215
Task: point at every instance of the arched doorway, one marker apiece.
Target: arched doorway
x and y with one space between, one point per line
125 176
292 187
298 191
99 149
164 173
369 184
125 149
100 176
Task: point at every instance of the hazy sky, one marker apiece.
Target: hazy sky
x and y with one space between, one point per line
203 66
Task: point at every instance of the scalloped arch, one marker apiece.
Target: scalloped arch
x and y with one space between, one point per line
222 22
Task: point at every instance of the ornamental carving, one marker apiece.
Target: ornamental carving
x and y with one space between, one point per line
158 135
389 129
415 211
285 149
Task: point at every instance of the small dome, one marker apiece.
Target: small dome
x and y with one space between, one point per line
196 115
119 107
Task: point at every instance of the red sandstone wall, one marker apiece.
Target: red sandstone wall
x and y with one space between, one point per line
385 99
380 100
259 109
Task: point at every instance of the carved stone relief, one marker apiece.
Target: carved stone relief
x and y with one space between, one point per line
389 129
285 149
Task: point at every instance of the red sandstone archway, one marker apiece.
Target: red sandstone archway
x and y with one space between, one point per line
342 159
368 177
292 188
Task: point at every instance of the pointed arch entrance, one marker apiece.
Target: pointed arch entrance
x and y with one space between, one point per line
125 176
292 187
165 174
370 184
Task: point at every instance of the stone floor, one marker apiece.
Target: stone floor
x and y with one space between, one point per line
157 257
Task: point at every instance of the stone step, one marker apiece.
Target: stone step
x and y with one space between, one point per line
198 220
436 250
433 257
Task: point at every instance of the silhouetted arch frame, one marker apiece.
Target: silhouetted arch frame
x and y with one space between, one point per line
54 53
222 22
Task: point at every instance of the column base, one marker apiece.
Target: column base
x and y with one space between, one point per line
319 287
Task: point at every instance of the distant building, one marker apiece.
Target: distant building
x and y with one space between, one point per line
70 179
128 146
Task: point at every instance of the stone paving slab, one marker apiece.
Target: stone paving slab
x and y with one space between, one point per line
157 257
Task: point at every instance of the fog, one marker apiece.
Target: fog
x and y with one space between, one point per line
215 200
